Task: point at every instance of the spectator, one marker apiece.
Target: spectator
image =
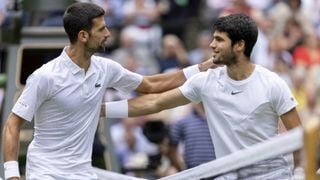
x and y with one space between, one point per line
192 132
202 51
157 132
131 146
173 55
129 52
114 12
4 16
179 17
308 53
141 18
282 11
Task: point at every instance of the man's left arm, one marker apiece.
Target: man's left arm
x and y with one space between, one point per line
291 120
162 82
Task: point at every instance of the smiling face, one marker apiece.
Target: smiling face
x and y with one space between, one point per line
223 52
97 36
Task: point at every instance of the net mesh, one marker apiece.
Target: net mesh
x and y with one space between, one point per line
234 166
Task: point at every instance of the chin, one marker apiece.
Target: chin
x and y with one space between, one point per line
217 61
101 49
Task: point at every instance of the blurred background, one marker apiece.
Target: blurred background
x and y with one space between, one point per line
155 36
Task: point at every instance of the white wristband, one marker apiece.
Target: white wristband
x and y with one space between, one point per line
11 169
117 109
191 70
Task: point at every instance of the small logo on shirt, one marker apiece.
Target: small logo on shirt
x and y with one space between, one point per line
23 105
97 85
235 92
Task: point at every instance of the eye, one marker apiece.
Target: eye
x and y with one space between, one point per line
219 39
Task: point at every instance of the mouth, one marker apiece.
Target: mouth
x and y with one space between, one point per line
215 54
104 42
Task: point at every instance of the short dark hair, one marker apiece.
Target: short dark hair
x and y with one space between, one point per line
78 16
238 27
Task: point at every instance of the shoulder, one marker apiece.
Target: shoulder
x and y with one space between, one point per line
269 78
202 79
209 74
99 60
43 77
46 70
104 63
266 74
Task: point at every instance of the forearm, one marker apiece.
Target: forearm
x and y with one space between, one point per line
146 104
129 108
11 133
174 158
166 81
162 82
154 103
143 105
292 120
297 158
11 143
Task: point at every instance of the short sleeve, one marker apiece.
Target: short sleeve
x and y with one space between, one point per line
281 97
35 92
121 78
191 89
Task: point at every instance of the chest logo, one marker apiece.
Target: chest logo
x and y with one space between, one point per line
235 92
97 85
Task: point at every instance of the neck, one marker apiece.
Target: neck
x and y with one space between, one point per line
241 70
79 56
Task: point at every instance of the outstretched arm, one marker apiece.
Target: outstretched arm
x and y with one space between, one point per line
166 81
153 103
145 104
11 133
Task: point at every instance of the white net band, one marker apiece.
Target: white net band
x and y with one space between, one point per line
283 144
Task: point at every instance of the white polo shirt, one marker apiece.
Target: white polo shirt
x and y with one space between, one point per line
240 113
65 104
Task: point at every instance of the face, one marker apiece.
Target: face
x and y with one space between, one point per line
222 49
98 35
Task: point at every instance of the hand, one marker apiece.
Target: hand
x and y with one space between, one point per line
204 66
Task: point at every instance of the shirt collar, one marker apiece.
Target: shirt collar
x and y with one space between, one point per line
74 68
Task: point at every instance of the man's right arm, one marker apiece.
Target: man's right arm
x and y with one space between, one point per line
145 104
11 134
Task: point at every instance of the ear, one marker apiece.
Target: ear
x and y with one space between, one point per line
83 36
240 45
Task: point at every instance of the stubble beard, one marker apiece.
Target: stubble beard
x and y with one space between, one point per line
227 59
102 47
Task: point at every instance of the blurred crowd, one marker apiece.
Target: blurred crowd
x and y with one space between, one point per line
155 36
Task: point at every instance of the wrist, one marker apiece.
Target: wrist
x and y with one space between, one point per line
116 109
11 169
191 70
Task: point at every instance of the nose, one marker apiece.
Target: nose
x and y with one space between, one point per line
213 44
108 33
